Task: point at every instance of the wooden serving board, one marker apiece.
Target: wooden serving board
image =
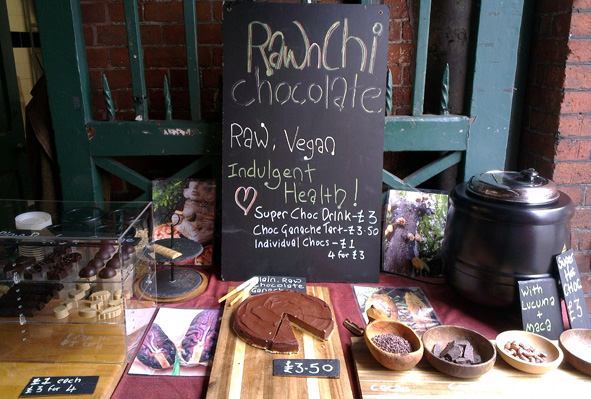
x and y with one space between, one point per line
376 381
243 371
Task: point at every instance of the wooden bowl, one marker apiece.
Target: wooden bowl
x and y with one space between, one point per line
443 335
394 361
553 353
576 345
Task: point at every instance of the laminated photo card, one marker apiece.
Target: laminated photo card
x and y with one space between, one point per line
414 224
191 204
180 342
408 305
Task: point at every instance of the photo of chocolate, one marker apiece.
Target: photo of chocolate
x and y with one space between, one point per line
193 335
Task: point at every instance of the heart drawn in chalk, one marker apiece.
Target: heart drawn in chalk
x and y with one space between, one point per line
244 203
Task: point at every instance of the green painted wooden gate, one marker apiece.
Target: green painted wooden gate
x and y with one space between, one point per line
477 141
83 144
14 173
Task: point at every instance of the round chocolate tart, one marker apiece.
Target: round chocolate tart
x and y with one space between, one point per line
265 320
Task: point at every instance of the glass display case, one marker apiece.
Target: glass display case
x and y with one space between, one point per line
70 276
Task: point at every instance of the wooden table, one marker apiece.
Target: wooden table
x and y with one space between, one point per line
376 381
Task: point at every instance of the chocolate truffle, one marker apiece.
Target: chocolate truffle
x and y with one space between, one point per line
128 248
110 248
96 263
115 263
107 272
87 272
102 255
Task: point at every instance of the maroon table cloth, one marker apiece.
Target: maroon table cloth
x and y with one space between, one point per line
449 306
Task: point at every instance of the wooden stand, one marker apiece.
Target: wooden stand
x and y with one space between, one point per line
243 371
187 284
424 381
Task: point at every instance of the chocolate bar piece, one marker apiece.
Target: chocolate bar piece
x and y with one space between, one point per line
33 273
57 273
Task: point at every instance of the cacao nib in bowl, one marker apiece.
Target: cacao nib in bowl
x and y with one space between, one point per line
394 361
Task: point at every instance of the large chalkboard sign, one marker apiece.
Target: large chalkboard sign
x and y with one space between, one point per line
541 312
303 131
572 289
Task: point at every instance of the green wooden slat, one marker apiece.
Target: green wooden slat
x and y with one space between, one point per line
146 196
421 58
14 167
426 133
192 59
129 138
136 59
394 182
127 174
433 168
194 167
493 84
68 86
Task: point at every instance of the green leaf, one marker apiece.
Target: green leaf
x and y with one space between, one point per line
176 370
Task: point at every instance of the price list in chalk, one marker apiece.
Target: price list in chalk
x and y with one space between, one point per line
321 368
303 140
572 289
68 385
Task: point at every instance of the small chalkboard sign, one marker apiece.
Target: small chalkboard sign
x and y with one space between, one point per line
278 283
319 368
572 290
69 385
541 312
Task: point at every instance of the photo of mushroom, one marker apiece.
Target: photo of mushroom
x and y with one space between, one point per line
190 204
414 224
180 342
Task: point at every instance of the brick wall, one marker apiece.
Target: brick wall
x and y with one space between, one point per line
163 42
556 135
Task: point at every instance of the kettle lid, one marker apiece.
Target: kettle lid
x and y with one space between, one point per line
524 187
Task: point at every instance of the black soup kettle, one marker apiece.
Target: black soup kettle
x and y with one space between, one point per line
503 227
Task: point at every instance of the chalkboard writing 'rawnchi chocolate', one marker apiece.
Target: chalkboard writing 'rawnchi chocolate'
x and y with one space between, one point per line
303 140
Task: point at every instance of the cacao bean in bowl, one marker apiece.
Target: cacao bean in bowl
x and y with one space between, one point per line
529 352
393 344
458 351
